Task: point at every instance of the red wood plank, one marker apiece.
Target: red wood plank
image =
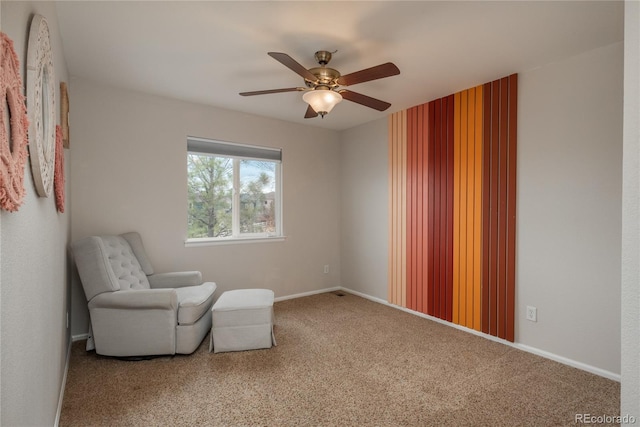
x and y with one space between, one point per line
410 181
416 216
455 309
448 300
420 211
408 212
464 158
428 295
427 112
441 203
414 208
440 241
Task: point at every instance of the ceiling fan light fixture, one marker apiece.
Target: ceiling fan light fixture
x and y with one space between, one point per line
322 100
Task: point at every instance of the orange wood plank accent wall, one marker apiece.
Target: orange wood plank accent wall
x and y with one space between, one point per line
452 193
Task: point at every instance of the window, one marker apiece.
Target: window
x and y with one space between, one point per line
234 191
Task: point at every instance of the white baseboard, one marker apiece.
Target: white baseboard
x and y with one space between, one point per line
64 384
547 355
306 294
79 337
570 362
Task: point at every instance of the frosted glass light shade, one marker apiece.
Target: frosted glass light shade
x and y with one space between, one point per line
322 100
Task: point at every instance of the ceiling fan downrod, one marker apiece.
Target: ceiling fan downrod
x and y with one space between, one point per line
323 57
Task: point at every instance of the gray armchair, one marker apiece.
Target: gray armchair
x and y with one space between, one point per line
134 311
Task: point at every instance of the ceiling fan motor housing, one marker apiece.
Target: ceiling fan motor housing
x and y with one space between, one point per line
325 77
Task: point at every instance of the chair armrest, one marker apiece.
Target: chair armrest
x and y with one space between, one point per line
177 279
164 299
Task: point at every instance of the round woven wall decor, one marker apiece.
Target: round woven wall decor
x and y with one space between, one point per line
13 128
58 176
41 95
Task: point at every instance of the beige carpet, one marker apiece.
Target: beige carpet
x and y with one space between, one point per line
340 361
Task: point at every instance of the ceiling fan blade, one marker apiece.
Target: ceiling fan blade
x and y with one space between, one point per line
265 92
311 113
378 72
365 100
291 63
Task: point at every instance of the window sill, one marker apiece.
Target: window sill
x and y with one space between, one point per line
194 243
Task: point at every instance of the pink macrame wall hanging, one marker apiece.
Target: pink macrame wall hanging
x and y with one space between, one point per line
14 125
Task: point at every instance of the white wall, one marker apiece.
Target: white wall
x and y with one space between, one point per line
130 173
569 208
630 387
34 269
365 216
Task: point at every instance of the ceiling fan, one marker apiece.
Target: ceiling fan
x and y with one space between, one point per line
322 91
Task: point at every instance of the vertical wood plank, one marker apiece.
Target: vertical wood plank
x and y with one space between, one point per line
395 208
397 178
442 206
502 211
486 203
407 211
456 209
428 255
420 210
410 210
511 206
429 219
494 205
448 300
477 215
434 178
403 204
471 128
417 210
464 138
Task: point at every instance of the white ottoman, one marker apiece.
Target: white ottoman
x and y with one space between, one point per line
242 320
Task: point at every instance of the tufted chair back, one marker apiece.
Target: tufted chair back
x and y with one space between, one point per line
124 263
108 264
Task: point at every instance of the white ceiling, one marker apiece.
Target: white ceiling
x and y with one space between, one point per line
207 52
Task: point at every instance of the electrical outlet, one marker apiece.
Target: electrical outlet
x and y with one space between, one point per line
326 269
532 313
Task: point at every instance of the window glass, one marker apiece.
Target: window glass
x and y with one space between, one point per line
257 196
232 197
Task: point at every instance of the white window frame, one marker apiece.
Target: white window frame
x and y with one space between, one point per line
238 152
